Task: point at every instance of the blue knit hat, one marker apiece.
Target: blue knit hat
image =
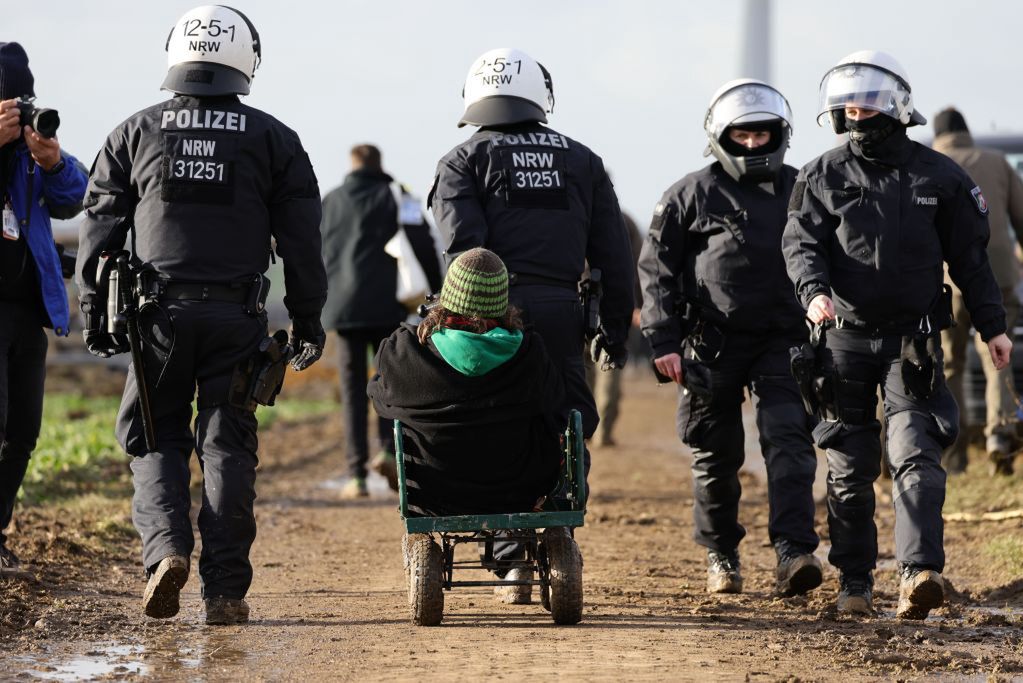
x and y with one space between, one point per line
15 77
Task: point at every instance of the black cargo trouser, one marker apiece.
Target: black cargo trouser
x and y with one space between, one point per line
557 316
22 374
712 427
205 341
918 430
353 347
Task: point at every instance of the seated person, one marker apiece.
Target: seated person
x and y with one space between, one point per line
477 396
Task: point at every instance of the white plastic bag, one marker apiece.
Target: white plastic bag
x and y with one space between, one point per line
412 283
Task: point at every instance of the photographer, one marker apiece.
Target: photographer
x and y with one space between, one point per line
37 180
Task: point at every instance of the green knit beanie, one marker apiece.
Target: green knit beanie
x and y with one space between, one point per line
476 285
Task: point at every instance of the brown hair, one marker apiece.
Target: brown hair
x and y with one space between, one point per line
367 157
435 320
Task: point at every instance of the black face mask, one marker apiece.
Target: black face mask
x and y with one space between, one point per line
737 150
870 135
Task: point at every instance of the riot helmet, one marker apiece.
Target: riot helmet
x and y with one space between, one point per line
748 104
867 79
212 50
506 86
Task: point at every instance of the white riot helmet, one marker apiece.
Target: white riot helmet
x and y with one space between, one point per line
212 50
867 79
750 104
506 86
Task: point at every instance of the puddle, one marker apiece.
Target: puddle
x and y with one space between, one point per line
164 655
110 661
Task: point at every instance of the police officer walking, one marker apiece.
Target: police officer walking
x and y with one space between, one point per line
543 203
870 224
720 317
203 183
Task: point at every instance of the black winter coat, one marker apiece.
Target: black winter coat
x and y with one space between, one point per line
473 445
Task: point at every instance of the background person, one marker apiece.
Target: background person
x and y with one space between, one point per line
37 180
1003 191
205 182
716 303
359 218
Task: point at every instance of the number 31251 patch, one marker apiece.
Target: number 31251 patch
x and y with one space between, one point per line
535 178
197 169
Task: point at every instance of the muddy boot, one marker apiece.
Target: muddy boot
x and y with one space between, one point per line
10 566
385 464
226 611
1001 455
354 489
922 590
856 595
723 572
160 600
516 595
797 572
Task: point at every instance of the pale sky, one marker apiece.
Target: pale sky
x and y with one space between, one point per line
632 79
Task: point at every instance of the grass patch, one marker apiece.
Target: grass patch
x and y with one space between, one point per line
1007 552
978 491
77 453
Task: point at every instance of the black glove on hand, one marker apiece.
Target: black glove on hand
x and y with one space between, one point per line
308 338
98 341
608 355
67 261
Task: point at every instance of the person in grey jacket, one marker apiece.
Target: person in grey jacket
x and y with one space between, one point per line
1003 190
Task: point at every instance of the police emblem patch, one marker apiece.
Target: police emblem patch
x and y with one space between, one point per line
978 197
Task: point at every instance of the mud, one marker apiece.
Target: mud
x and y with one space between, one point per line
329 596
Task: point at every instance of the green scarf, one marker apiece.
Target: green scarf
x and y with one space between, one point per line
476 354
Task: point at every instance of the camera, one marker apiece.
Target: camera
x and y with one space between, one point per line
43 121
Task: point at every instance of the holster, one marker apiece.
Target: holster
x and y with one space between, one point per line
258 380
589 296
920 367
697 378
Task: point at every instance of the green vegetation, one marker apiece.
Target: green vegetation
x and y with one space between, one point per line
77 453
978 491
1007 552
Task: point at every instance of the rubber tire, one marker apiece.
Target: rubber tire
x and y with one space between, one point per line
566 563
425 580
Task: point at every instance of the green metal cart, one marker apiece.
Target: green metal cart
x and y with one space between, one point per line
551 553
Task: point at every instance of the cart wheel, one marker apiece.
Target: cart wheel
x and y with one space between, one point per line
566 576
425 580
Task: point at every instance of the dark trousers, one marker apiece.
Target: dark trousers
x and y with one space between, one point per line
918 430
712 427
556 315
22 374
353 347
205 341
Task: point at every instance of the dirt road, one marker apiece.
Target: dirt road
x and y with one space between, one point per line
329 600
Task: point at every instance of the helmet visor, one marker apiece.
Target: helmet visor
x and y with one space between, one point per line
864 87
749 103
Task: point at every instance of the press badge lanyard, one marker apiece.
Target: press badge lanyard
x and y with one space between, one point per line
12 227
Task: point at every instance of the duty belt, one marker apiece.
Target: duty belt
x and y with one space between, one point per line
922 325
197 291
527 279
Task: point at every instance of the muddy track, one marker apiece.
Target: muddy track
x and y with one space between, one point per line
329 598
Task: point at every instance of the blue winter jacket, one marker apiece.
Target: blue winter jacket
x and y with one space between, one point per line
64 189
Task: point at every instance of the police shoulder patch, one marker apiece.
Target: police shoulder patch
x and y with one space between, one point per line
796 198
978 198
659 209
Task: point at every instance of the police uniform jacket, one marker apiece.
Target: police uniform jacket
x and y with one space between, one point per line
206 183
714 250
543 203
872 234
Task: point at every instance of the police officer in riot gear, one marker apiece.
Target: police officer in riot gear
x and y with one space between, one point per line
203 183
870 224
720 318
544 203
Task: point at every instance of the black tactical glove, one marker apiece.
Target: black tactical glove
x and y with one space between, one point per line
98 341
608 355
307 338
67 261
